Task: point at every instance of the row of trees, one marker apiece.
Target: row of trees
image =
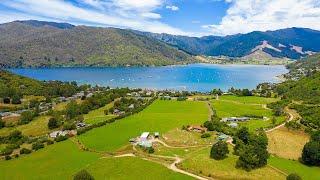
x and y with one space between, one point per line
311 150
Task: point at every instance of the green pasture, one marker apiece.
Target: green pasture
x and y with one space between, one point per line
131 168
292 166
248 99
98 115
201 163
57 161
37 127
161 116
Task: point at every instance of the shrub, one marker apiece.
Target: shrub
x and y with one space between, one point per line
61 138
2 123
26 117
14 136
49 142
205 135
311 153
83 175
16 100
7 157
293 176
53 123
219 150
69 126
150 150
37 145
25 151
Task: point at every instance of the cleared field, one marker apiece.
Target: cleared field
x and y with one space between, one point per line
287 144
291 166
58 161
249 99
37 127
161 116
98 115
131 168
234 108
201 163
178 137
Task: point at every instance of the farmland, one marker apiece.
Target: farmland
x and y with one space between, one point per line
230 106
161 116
98 115
201 163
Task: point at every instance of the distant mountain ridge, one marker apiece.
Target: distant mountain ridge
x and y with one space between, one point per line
292 43
44 44
41 44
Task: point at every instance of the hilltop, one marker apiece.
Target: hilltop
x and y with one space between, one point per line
38 44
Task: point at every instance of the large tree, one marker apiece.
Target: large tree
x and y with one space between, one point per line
219 150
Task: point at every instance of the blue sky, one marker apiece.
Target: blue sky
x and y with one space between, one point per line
181 17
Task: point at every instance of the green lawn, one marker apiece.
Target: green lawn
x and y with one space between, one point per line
57 161
98 115
290 166
237 108
37 127
249 99
160 116
131 168
201 163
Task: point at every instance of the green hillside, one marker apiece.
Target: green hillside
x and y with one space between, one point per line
30 44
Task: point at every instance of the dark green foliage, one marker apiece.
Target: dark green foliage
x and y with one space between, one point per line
49 142
205 135
25 151
293 176
83 46
216 92
240 92
53 123
294 125
14 137
16 99
83 175
243 135
26 117
219 150
37 145
181 98
69 126
150 150
7 158
311 153
61 138
2 123
315 136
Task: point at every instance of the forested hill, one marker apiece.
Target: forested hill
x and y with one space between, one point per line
37 43
304 67
291 43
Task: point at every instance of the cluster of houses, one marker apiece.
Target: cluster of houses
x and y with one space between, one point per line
145 140
70 133
76 96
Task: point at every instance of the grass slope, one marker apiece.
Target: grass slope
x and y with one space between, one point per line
290 166
131 168
161 116
201 163
58 161
229 106
98 115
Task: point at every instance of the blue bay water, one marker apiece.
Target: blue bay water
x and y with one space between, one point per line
193 77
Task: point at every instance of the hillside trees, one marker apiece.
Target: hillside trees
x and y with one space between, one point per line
311 150
219 150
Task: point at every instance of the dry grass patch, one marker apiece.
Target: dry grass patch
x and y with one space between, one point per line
286 143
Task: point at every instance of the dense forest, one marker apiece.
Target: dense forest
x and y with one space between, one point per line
37 44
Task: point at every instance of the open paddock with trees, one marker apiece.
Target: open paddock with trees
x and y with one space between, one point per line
161 116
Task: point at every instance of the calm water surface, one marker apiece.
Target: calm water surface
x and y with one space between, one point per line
194 77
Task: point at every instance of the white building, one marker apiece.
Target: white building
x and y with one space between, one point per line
144 136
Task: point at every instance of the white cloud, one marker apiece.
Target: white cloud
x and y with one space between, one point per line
173 8
137 14
250 15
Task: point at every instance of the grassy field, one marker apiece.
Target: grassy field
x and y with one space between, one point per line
131 168
287 144
37 127
201 163
178 137
98 115
248 99
291 166
235 106
58 161
160 116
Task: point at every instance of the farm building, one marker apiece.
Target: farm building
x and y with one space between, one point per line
235 119
197 128
222 137
156 134
144 136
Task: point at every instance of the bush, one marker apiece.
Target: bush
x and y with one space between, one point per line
16 100
293 176
25 151
61 138
150 150
205 135
69 126
311 153
2 124
219 150
37 145
26 117
7 157
49 142
53 123
83 175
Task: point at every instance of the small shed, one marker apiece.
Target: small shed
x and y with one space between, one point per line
223 137
156 134
144 136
